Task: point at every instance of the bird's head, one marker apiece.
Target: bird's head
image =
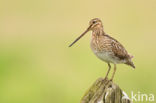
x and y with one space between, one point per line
93 24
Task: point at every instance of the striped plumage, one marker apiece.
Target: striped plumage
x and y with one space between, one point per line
109 50
105 47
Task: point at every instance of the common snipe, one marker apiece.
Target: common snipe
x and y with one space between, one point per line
105 47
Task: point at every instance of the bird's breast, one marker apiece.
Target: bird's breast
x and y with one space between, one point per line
100 44
99 49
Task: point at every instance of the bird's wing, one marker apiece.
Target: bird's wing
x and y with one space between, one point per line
118 49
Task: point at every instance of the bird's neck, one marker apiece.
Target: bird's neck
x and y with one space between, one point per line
98 32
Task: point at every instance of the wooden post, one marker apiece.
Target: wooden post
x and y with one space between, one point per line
105 91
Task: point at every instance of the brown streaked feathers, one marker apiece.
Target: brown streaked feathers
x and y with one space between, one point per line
105 47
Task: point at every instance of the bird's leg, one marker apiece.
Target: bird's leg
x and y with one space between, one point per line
109 67
113 72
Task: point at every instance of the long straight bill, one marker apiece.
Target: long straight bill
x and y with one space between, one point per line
80 36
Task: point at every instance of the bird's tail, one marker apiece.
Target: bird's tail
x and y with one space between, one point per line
130 63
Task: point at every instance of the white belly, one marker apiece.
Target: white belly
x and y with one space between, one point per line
108 57
105 55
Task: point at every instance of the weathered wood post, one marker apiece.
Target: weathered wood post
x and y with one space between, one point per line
105 91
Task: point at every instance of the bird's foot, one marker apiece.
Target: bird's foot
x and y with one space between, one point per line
106 78
111 80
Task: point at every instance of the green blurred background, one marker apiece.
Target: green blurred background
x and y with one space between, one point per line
36 65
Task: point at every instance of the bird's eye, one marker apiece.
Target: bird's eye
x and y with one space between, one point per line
94 22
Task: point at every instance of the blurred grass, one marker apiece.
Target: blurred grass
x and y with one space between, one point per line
36 65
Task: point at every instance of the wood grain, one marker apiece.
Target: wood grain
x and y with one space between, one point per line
105 91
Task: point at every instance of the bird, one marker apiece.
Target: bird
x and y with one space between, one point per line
106 47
